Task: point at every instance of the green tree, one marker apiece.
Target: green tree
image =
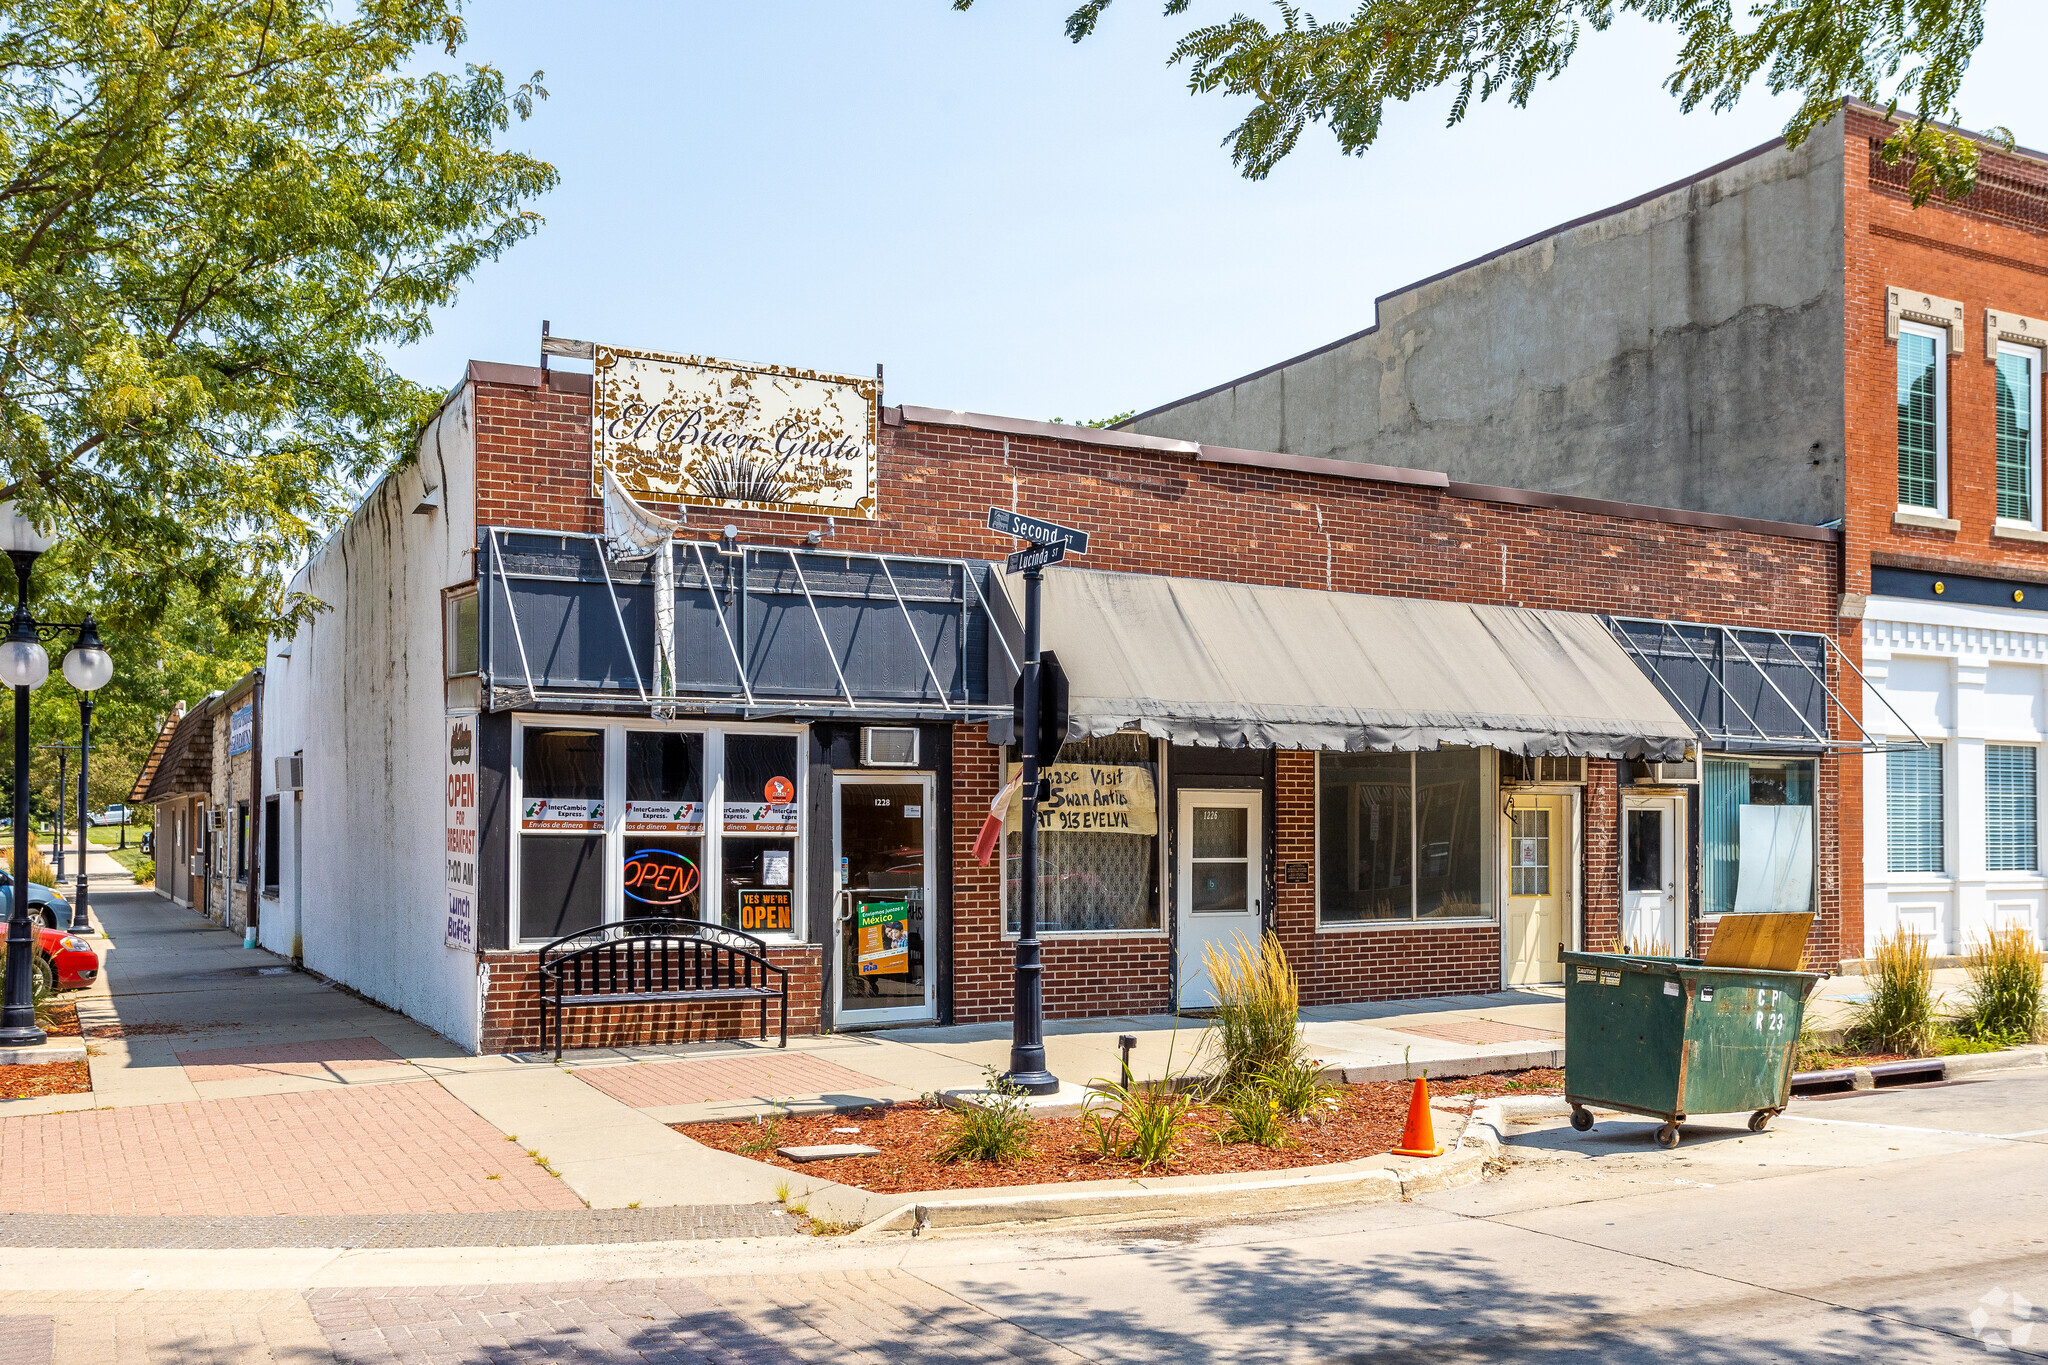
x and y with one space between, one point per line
1892 53
215 216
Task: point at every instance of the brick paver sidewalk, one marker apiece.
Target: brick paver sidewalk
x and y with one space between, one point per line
402 1148
655 1085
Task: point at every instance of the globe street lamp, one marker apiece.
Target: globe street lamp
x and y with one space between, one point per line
24 665
87 667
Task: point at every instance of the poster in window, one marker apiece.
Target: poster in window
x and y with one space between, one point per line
1094 798
537 813
775 867
461 841
664 817
765 912
1528 853
759 817
884 938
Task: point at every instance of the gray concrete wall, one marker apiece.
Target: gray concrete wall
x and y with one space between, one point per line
1684 351
362 696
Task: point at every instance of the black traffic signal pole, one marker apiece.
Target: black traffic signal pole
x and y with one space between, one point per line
1027 1019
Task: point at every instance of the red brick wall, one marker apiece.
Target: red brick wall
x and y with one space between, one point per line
1600 857
1083 977
1170 514
1363 964
1988 252
1981 253
512 1009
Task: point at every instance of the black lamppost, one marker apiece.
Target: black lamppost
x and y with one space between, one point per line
24 664
87 667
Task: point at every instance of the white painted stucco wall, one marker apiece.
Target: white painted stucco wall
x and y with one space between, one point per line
1963 677
361 695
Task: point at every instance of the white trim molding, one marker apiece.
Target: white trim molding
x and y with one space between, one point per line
1930 309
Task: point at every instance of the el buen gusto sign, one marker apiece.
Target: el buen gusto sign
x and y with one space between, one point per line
716 433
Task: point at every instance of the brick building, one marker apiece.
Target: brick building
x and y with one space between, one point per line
200 779
1782 335
1408 723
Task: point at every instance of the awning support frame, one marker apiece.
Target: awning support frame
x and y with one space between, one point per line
1869 743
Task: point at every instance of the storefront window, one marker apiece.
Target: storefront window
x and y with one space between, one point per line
1756 835
561 832
661 868
757 857
669 851
1098 842
1403 836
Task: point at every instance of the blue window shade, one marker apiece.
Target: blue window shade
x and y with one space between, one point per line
1724 787
2011 838
1919 461
2016 436
1913 814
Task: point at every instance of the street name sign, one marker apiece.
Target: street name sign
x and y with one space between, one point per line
1037 557
1036 531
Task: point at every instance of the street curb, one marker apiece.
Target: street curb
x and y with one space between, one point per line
1448 1068
44 1054
1370 1180
2032 1055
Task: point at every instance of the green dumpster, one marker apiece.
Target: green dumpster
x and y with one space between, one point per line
1671 1037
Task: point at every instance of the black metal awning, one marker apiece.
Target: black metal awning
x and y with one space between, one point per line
759 631
1744 688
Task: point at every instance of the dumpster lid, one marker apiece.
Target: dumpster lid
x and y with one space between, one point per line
1243 665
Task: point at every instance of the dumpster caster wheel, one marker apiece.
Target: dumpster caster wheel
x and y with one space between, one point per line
1667 1136
1582 1119
1760 1119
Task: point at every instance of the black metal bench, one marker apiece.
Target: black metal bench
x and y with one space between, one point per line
658 962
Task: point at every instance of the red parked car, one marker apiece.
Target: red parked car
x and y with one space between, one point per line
65 962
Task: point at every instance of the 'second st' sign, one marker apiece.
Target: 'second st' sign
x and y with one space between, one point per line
717 433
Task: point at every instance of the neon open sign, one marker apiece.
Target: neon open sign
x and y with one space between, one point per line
660 876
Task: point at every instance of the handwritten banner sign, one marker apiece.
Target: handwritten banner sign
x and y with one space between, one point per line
460 846
692 429
1094 798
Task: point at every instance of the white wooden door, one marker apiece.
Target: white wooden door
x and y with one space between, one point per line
1220 876
1652 874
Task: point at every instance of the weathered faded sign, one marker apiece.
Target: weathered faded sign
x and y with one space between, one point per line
462 833
717 433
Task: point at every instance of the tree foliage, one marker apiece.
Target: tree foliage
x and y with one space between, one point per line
215 216
1302 71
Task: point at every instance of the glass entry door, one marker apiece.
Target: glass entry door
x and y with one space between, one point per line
883 853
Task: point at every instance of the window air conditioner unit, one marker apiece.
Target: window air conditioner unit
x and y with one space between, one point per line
1550 768
888 746
291 773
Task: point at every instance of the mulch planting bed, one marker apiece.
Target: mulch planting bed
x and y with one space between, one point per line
54 1078
1368 1122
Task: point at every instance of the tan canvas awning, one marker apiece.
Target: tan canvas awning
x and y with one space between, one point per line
1236 665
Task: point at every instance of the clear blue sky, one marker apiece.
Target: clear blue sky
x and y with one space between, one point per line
1015 224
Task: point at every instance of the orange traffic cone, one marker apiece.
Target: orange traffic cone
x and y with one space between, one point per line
1419 1137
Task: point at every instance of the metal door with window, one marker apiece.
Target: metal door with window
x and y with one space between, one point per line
882 850
1220 878
1652 874
1539 865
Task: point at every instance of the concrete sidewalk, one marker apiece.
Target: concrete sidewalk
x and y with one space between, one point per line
226 1082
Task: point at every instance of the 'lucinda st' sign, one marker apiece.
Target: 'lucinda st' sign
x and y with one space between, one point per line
720 434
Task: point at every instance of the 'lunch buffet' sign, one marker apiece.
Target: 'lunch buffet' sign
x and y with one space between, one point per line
716 433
